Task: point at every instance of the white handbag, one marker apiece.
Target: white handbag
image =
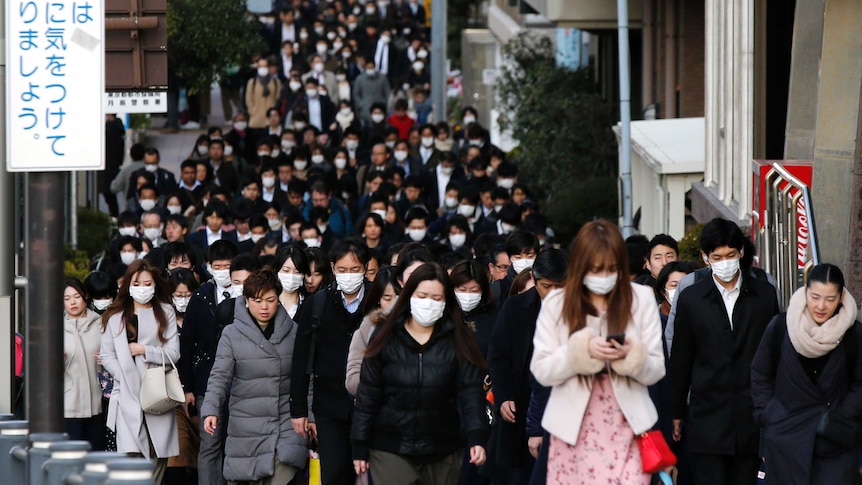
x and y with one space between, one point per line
161 390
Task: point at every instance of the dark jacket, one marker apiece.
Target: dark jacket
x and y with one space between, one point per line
199 339
332 342
252 374
536 409
417 400
713 362
166 182
199 239
788 405
509 359
483 319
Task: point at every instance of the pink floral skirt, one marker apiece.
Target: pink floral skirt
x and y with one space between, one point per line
606 452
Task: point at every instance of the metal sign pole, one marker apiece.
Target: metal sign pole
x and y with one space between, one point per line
7 245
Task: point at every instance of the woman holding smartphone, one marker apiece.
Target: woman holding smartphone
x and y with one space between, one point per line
598 344
140 331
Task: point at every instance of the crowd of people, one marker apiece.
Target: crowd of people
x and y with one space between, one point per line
365 286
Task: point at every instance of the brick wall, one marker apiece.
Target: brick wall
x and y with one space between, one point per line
691 59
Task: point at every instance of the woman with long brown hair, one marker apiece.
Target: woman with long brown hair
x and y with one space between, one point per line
420 399
598 344
139 330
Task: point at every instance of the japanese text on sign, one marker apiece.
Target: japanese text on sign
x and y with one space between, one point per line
56 80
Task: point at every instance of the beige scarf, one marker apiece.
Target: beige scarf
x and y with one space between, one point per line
812 340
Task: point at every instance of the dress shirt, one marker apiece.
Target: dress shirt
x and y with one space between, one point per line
729 297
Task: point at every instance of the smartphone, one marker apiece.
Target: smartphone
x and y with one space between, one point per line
619 337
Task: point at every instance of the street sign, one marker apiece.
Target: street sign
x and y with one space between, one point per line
55 70
136 102
136 38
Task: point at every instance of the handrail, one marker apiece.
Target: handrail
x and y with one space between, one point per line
786 217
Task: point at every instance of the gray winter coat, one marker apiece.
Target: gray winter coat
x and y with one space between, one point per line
368 90
256 372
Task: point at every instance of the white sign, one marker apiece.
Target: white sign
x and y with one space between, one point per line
489 76
136 102
55 68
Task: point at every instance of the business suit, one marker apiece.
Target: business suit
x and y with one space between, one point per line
165 181
327 112
329 81
710 366
432 186
199 238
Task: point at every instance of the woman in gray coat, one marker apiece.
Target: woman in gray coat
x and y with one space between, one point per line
139 330
252 371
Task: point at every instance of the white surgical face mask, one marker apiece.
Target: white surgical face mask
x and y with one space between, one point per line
450 202
469 119
300 165
346 111
236 290
400 155
505 183
670 294
151 167
336 46
725 270
322 228
148 204
349 283
143 254
152 233
102 304
601 285
468 301
311 93
507 228
317 159
240 126
290 282
377 117
381 213
175 209
425 311
257 237
427 141
311 242
467 210
262 153
220 276
390 144
181 303
274 224
416 234
447 170
351 144
299 125
295 85
521 264
457 240
262 71
142 294
340 163
288 144
203 149
275 152
417 66
321 49
128 231
228 150
268 182
128 257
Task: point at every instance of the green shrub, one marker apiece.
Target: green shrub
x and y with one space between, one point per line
689 245
94 231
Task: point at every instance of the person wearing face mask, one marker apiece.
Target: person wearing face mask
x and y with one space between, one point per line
382 295
429 155
81 390
421 443
152 228
718 325
403 159
140 330
321 73
521 246
327 321
369 89
318 108
261 94
164 180
214 216
345 116
473 292
400 120
598 344
293 268
416 222
198 342
457 236
128 248
438 179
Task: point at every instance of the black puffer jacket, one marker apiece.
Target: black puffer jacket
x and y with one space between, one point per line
419 401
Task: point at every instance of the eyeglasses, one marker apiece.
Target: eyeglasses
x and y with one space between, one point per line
502 267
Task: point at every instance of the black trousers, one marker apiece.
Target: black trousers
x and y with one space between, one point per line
336 459
725 469
90 429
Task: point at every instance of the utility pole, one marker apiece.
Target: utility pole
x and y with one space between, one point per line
625 118
7 245
438 58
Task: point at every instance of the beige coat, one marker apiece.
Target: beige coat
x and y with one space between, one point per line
82 394
257 103
559 358
356 353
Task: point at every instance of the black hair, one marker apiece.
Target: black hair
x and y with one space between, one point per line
663 240
413 181
100 285
376 289
78 286
127 218
295 254
411 253
258 220
318 260
152 151
721 232
510 214
347 246
148 186
182 276
826 273
178 249
637 247
216 207
473 270
499 193
245 261
551 264
519 241
188 164
416 213
221 250
134 241
137 151
507 169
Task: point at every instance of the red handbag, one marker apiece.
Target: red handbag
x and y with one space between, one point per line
655 454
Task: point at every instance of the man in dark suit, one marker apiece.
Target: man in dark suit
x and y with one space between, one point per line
438 178
224 173
509 359
428 155
289 62
164 180
285 31
413 12
719 323
214 215
317 107
198 342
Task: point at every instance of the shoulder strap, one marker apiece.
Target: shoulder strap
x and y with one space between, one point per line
778 334
318 303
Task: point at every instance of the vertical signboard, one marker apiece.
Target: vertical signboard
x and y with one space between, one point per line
55 70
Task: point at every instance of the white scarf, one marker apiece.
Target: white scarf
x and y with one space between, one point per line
811 340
